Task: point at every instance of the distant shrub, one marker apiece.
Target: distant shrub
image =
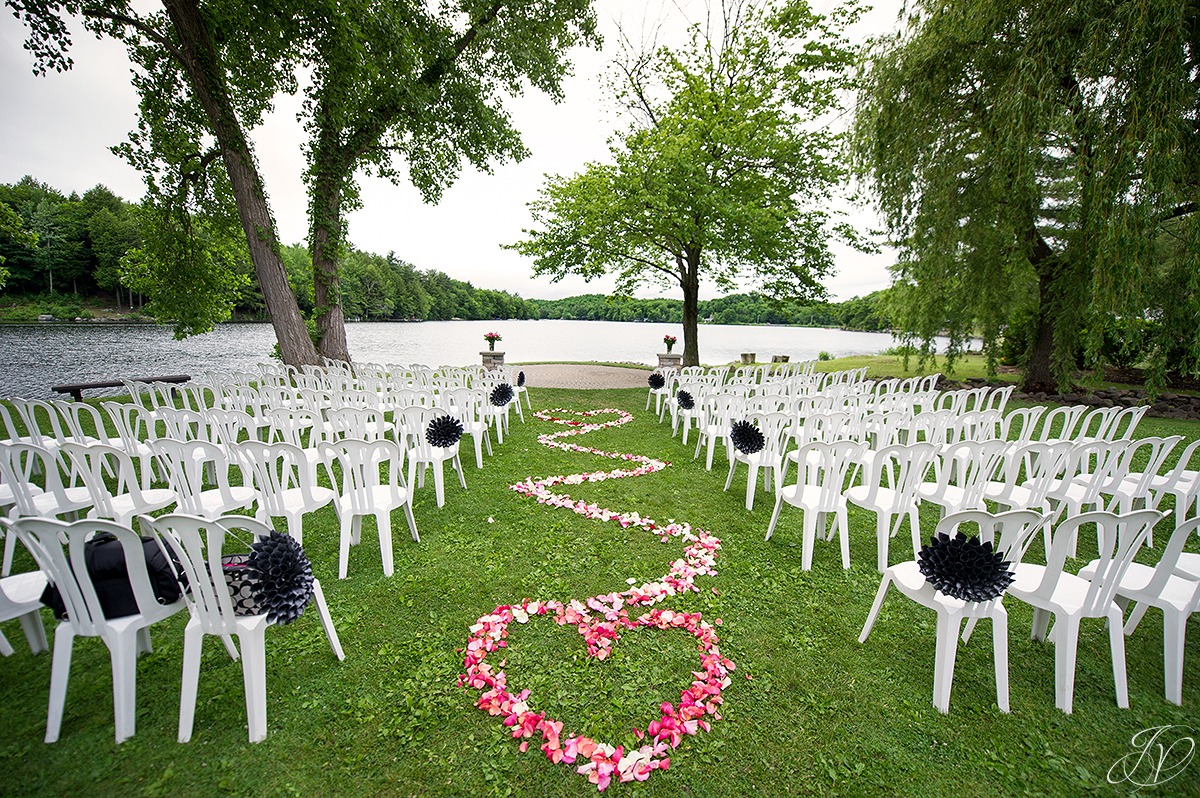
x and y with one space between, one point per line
824 356
901 350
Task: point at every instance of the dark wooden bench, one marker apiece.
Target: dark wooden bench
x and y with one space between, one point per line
76 389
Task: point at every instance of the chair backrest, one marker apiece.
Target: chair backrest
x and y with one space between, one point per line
1009 533
183 425
1020 422
360 462
826 465
19 462
93 463
227 427
275 468
975 425
291 425
1118 539
58 549
198 545
185 464
85 423
934 425
969 465
1059 422
1144 457
361 423
902 468
1122 425
1170 557
1095 464
131 421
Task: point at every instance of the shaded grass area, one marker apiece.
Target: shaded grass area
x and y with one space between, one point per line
819 715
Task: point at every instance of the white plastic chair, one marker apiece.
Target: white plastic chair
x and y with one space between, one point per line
58 549
889 489
776 432
716 415
20 598
468 406
1181 481
1131 483
19 462
198 544
357 423
962 475
412 423
1070 598
819 491
285 483
364 490
951 612
125 499
186 462
1159 586
134 426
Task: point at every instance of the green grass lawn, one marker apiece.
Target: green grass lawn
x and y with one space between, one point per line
810 711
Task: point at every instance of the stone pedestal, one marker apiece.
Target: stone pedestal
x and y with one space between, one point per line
748 358
668 360
780 358
493 360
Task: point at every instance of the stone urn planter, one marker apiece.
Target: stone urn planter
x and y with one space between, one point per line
779 358
492 360
669 360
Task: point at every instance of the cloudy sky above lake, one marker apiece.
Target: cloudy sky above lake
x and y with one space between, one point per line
59 128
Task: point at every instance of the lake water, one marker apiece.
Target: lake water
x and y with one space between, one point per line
35 357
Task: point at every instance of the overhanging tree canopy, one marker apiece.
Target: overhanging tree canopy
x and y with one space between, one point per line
1038 153
727 169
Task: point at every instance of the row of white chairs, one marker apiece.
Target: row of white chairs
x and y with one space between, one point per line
1102 590
194 546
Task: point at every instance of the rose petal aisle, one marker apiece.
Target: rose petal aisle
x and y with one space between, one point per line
600 620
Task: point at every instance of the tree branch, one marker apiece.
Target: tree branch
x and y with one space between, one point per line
140 25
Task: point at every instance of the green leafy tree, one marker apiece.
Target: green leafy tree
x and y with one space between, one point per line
206 73
726 171
11 228
410 91
1029 156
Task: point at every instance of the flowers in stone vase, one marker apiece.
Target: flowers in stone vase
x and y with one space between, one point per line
669 340
491 339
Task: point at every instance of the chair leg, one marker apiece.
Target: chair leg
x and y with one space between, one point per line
809 540
439 483
1041 621
60 674
844 535
1116 639
729 479
751 484
1174 632
476 439
774 516
193 643
1135 617
344 546
1066 643
882 524
6 649
711 445
880 595
122 651
10 545
35 633
462 479
383 522
326 621
1000 654
945 652
254 678
412 522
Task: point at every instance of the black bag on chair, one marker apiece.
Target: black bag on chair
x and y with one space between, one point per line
105 561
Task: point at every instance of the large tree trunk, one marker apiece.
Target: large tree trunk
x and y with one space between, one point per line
200 61
1039 369
326 242
689 270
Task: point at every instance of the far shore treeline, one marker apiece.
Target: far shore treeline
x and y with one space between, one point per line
76 270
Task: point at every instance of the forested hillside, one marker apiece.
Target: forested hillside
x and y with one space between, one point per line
78 264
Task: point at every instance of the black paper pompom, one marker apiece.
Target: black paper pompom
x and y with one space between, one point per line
657 381
283 580
443 432
502 394
746 437
520 379
964 567
685 400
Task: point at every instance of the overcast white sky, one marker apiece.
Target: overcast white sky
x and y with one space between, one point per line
58 128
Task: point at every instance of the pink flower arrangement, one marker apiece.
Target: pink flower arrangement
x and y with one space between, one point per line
669 340
491 339
600 620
